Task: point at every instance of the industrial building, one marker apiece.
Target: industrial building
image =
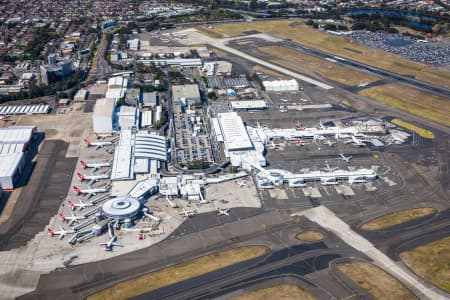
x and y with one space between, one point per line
248 105
281 85
14 144
133 97
150 99
186 95
103 116
25 109
174 62
127 117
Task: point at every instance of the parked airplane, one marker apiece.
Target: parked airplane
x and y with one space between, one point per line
187 213
5 118
81 205
330 143
102 135
223 211
171 203
355 141
72 219
97 145
111 243
92 178
91 191
95 166
363 84
62 232
345 158
299 126
241 184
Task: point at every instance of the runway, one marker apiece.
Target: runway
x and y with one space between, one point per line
437 90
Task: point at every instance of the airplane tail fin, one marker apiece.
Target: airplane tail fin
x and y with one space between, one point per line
71 204
84 164
97 135
50 231
76 189
87 142
81 176
62 216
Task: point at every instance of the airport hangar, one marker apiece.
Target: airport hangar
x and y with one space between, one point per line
14 145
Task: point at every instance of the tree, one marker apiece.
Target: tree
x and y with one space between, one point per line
211 95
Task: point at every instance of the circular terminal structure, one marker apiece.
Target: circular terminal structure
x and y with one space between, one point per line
121 208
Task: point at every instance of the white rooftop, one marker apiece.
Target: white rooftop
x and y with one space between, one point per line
104 107
248 104
9 163
234 133
16 134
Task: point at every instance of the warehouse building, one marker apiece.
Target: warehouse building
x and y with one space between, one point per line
14 145
149 99
186 95
281 85
103 115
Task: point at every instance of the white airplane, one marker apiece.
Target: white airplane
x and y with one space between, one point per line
187 213
62 232
241 184
223 211
102 135
173 204
92 178
81 205
355 141
274 146
91 191
363 84
95 166
330 143
97 145
111 243
345 158
72 219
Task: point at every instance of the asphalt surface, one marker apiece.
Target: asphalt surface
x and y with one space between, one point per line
437 90
279 234
299 260
41 197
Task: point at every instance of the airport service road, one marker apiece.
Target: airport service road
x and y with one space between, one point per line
221 44
328 220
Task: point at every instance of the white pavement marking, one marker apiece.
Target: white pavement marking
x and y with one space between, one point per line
221 44
328 220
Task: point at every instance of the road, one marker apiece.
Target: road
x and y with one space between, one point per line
101 66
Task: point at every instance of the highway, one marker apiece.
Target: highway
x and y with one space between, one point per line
437 90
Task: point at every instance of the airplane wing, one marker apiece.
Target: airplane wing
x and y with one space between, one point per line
98 147
92 181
